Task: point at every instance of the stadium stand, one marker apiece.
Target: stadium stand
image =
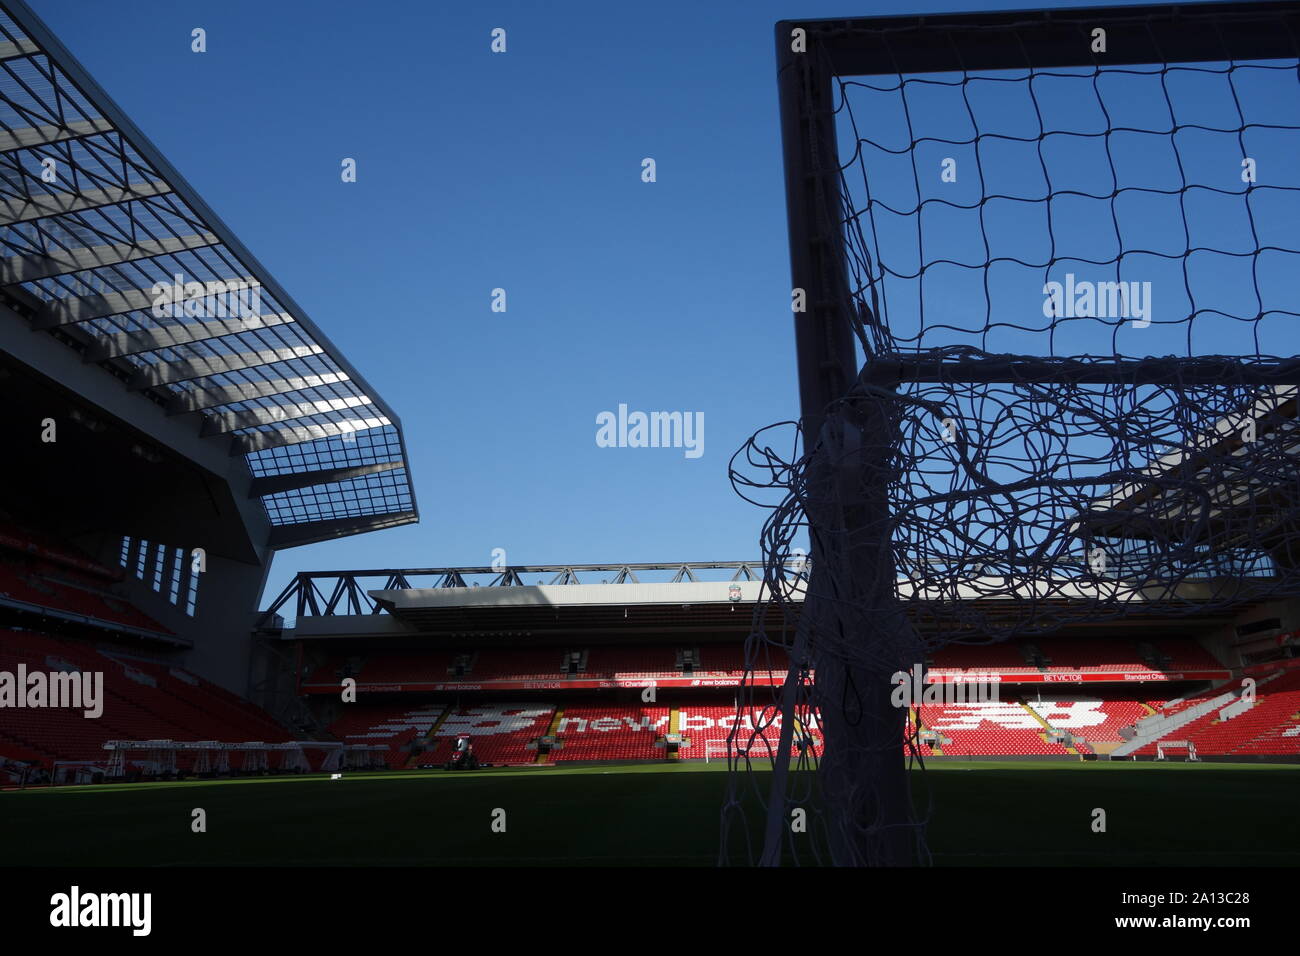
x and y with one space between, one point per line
394 725
501 732
1266 728
706 724
992 728
611 733
1185 655
330 672
395 668
592 727
1171 708
144 699
159 455
1097 721
36 570
631 662
548 663
981 657
1091 655
529 664
152 699
729 661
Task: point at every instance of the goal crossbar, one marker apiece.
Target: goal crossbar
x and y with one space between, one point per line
1157 33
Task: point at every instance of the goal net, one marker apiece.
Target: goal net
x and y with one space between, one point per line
1046 278
1167 748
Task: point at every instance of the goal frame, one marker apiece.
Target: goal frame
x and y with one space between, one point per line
827 358
827 355
1188 746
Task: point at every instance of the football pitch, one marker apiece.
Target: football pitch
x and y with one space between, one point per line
1001 814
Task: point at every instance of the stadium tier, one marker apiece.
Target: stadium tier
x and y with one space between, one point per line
502 733
757 733
637 670
631 662
1025 727
393 726
173 419
607 732
580 666
585 696
1270 726
1006 657
589 703
55 579
1096 721
142 699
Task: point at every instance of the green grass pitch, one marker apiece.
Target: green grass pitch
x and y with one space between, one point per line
646 815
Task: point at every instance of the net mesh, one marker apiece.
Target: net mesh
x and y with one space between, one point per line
1075 291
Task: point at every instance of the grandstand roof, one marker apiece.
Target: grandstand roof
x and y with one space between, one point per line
700 597
329 593
1215 487
91 258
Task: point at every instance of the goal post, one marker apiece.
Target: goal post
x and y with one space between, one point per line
1165 748
1042 290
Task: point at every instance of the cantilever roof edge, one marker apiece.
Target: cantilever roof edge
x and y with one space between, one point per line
38 31
44 42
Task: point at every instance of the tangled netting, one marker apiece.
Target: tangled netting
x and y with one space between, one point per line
1003 466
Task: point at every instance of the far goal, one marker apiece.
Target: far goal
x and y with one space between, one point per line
1166 748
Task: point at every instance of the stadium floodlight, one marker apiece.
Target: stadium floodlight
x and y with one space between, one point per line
1045 289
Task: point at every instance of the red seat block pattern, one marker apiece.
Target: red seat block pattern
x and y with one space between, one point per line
393 725
143 699
500 732
1093 720
991 727
757 733
611 733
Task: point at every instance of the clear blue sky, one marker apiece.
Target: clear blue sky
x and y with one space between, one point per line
519 171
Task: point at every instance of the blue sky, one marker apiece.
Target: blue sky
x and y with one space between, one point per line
519 171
